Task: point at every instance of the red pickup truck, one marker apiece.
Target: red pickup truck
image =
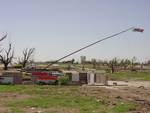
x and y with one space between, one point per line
45 77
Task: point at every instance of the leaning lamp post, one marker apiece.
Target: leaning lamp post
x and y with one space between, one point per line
108 37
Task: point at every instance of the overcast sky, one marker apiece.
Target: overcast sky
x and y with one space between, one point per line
58 27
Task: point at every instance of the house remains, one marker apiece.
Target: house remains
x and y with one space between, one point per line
89 77
11 77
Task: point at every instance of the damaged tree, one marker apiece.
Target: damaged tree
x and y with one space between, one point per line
112 64
7 56
27 55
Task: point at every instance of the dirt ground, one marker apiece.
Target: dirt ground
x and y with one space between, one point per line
133 91
5 97
131 83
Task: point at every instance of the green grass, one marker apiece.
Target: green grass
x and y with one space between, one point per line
131 76
11 88
46 97
123 107
14 110
84 104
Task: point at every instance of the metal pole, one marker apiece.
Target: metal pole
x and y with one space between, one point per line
90 45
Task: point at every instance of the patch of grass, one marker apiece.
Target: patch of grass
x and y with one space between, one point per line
51 97
84 104
131 76
123 107
15 110
63 80
11 88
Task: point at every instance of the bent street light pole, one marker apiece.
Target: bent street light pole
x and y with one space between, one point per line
3 37
132 28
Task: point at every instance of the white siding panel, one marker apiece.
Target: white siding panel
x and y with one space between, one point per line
6 80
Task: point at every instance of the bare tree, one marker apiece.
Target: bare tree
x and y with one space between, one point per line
27 55
7 56
94 62
125 63
112 64
133 61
